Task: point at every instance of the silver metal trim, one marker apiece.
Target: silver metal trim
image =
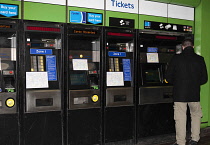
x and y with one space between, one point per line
32 95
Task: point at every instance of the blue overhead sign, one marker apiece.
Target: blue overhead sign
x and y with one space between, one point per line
41 51
94 18
9 10
77 17
86 18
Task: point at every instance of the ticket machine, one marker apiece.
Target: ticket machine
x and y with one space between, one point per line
84 84
155 102
8 82
43 77
119 84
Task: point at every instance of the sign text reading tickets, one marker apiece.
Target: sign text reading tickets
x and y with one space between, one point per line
121 4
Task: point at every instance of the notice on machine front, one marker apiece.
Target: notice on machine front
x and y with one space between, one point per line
115 79
152 58
36 80
80 64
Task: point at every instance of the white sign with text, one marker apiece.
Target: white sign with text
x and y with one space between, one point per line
94 4
58 2
128 6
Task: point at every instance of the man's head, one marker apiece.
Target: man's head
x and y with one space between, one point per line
187 43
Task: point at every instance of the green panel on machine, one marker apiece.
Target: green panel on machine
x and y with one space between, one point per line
44 12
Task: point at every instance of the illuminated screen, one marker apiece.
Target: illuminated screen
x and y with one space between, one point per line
166 37
35 28
152 49
78 78
152 76
120 34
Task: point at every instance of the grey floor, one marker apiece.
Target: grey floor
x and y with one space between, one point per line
167 139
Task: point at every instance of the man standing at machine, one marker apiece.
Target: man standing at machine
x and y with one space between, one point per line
187 72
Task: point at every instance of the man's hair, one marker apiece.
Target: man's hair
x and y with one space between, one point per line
187 42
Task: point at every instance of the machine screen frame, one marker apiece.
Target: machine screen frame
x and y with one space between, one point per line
79 86
152 69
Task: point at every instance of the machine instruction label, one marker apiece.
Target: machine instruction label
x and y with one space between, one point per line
41 51
51 67
126 69
117 54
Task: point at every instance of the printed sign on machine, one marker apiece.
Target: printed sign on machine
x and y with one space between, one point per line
9 10
86 18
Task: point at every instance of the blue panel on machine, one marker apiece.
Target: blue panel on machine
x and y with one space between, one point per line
127 69
41 51
51 67
117 54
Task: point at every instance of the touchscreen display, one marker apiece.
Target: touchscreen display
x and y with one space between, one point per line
152 75
78 78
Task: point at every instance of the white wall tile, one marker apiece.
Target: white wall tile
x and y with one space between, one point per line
180 12
94 4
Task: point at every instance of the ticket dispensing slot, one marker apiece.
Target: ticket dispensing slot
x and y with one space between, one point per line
119 91
119 85
84 72
156 51
43 72
8 73
154 89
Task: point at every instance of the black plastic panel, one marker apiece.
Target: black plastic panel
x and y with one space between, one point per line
84 126
43 128
119 123
155 119
9 133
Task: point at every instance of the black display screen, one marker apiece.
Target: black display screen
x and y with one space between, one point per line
78 78
152 75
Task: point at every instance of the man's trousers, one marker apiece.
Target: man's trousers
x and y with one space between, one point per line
180 117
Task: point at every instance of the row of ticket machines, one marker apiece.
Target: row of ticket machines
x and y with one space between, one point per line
68 84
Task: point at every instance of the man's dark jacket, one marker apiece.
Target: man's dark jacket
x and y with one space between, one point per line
187 71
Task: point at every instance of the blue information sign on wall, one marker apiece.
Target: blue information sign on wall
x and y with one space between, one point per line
94 18
9 10
51 67
86 17
117 54
126 69
77 17
41 51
